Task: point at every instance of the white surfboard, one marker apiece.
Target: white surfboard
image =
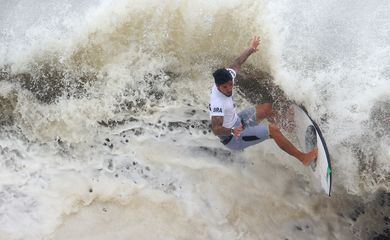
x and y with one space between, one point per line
309 135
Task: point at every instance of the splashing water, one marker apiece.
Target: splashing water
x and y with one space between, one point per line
104 121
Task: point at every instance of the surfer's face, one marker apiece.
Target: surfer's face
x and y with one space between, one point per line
226 88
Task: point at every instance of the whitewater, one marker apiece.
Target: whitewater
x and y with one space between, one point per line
104 125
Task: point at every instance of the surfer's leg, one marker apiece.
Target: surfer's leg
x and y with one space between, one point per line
283 118
288 147
250 136
263 111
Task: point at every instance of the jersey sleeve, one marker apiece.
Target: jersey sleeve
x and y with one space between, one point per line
216 108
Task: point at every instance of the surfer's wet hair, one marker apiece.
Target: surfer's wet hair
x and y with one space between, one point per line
222 76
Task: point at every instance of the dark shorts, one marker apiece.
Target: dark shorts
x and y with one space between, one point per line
252 134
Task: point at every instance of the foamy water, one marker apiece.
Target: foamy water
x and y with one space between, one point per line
104 123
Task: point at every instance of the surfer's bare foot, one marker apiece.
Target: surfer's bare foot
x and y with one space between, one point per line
309 157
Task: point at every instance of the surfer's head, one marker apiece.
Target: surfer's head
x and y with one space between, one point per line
222 76
224 81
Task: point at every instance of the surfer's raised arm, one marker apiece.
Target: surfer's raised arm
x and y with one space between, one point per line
244 56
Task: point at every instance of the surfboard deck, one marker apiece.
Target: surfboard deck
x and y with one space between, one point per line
309 135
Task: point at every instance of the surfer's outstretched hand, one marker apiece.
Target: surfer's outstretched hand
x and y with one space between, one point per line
255 43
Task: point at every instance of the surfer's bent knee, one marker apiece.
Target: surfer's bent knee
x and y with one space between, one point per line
263 110
265 107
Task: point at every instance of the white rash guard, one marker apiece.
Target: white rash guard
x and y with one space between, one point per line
221 105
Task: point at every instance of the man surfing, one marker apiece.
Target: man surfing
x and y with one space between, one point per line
239 131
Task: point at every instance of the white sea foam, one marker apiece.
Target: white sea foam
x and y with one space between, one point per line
109 125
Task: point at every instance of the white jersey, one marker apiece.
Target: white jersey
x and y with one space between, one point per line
221 105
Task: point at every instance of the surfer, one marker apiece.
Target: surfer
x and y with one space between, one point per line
238 131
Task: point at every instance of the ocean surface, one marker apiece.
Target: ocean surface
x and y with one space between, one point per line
104 126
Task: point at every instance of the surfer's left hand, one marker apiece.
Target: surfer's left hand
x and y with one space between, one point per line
238 130
255 43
